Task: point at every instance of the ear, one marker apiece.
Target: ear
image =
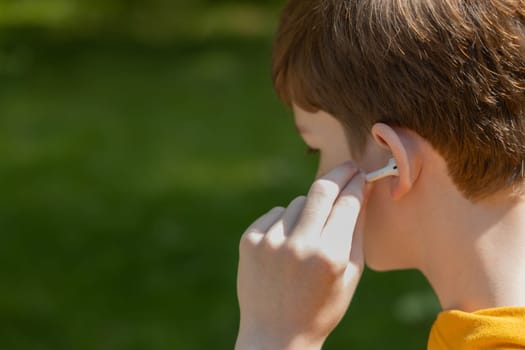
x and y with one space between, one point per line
399 142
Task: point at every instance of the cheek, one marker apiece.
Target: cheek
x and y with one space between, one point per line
330 160
331 157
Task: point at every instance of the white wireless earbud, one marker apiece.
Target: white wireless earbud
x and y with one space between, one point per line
389 170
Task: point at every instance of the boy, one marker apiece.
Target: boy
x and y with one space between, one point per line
439 86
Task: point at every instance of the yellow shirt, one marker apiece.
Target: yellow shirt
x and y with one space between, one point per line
498 328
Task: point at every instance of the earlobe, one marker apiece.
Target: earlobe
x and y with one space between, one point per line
403 150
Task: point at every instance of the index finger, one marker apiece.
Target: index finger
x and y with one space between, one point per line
338 233
321 198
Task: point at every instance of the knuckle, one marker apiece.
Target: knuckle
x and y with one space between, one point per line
324 188
328 264
312 259
294 251
277 209
270 244
348 202
247 242
297 201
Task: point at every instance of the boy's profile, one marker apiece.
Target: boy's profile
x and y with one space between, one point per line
438 85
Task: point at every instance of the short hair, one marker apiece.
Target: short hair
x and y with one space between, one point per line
451 70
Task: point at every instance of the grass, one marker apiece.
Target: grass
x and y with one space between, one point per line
129 173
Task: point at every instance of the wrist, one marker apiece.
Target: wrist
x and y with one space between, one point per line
260 341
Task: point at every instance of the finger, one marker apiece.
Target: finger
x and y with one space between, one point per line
321 198
292 214
256 231
282 228
354 269
356 250
338 232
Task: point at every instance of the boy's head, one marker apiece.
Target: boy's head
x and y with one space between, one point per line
446 77
451 70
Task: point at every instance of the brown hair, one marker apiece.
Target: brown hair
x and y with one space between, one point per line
451 70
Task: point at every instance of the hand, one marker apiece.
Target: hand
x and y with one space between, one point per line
299 266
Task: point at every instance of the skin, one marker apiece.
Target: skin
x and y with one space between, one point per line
299 266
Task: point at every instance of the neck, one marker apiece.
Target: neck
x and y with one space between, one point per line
476 259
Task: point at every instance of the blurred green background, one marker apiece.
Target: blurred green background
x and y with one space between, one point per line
138 139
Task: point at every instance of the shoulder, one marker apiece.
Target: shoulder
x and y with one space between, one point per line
497 328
